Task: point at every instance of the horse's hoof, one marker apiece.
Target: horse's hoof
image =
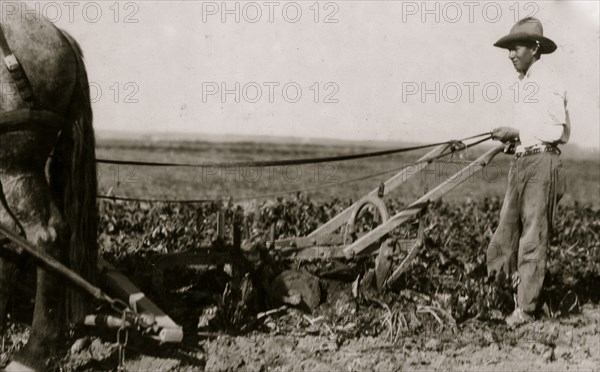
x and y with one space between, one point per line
18 367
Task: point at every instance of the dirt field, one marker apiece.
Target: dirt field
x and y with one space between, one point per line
550 345
569 344
475 346
444 315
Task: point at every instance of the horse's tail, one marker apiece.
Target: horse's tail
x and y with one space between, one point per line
72 176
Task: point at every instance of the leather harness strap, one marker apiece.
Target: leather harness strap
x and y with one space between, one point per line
23 118
16 71
30 116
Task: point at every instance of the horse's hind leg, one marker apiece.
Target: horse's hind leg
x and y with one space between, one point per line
9 270
30 201
9 261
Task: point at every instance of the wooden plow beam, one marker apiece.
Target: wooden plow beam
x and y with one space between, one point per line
164 329
313 246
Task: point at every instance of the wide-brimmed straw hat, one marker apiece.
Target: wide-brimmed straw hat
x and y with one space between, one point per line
530 30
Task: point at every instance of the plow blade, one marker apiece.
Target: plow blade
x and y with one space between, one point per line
383 264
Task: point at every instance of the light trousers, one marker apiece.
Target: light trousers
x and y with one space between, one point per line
520 243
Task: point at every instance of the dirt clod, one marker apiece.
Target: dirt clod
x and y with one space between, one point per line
293 282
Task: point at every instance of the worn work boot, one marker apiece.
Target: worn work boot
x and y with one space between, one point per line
518 317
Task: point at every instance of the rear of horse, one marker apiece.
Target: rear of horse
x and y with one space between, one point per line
51 202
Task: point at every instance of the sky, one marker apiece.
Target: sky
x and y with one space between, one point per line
354 70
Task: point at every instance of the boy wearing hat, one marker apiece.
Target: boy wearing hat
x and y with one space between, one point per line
536 181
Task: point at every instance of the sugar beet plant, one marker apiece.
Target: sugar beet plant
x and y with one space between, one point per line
451 265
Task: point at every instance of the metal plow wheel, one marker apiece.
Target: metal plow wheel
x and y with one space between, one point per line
368 202
384 257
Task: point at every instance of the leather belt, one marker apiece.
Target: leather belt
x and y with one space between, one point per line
536 149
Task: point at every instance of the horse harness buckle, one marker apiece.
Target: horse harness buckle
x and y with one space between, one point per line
11 62
16 72
21 117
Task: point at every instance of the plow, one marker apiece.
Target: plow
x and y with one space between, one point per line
337 239
315 245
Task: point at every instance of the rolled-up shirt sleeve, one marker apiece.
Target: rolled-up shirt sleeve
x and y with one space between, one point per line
558 111
555 102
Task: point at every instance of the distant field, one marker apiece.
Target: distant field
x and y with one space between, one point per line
347 179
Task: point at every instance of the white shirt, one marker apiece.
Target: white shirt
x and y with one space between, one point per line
541 113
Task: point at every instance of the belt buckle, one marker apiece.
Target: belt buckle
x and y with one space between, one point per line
519 151
11 62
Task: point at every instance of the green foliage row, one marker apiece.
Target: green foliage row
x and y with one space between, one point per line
451 266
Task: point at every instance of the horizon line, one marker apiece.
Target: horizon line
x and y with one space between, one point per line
113 134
